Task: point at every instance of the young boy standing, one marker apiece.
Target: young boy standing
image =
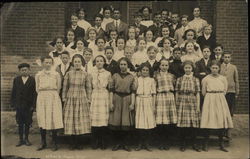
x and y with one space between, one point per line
176 67
111 65
23 100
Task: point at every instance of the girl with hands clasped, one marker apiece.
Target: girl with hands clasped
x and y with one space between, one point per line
121 118
100 102
145 106
188 105
76 96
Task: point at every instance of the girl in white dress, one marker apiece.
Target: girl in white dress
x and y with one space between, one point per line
190 53
70 41
48 105
165 50
91 37
145 106
131 42
215 113
149 39
140 56
119 50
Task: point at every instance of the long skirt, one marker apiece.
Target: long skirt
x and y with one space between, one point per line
144 115
76 116
165 108
215 112
99 109
49 110
187 114
121 118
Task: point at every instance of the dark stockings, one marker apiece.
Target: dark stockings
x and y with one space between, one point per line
98 134
143 136
184 133
164 133
121 140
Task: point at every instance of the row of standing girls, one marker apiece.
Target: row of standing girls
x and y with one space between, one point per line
122 101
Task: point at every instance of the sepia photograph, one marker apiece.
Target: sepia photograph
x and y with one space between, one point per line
162 79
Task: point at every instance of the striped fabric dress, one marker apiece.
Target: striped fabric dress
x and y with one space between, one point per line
48 105
165 101
99 109
76 86
187 87
144 112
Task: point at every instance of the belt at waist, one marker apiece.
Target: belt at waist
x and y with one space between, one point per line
122 94
187 93
47 89
144 95
215 91
166 92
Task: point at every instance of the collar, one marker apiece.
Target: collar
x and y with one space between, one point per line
74 27
188 76
151 61
197 18
207 36
48 72
101 70
225 64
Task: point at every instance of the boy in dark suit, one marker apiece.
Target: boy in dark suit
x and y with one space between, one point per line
23 99
79 32
138 19
176 67
111 65
156 27
98 21
208 38
217 54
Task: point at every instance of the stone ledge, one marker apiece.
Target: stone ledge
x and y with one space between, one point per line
8 125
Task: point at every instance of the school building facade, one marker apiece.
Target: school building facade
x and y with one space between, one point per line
27 27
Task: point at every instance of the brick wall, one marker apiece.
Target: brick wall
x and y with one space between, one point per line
25 31
232 31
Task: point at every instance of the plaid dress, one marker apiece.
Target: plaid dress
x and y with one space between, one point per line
76 86
187 87
99 109
165 101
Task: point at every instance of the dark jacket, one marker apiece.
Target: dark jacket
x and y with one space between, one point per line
201 67
153 68
79 32
176 68
23 95
211 41
112 67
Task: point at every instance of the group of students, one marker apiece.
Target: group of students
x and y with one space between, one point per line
130 83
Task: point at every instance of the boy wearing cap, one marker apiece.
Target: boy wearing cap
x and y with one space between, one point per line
23 99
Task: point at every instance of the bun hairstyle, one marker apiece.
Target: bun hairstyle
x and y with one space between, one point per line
80 57
185 34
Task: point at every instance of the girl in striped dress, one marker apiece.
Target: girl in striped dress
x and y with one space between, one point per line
145 106
100 102
76 96
215 112
188 105
166 116
48 105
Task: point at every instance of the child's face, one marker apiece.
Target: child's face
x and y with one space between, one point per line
184 21
59 44
151 54
142 45
208 30
107 13
65 58
99 61
206 53
175 18
79 45
145 12
81 15
120 44
47 63
113 35
157 19
98 21
164 66
165 32
131 34
137 31
149 35
145 72
87 56
123 66
100 44
190 35
227 58
109 54
74 20
196 12
164 15
188 69
166 44
177 55
128 54
190 47
218 50
70 36
138 19
92 35
77 63
24 71
214 69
